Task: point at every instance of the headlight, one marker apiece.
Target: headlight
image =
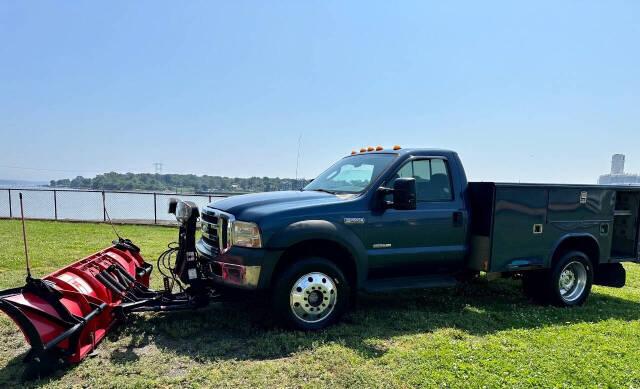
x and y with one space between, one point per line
246 234
183 211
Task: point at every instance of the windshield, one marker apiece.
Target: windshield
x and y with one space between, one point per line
352 174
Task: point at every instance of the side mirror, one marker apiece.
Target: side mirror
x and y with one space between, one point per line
404 193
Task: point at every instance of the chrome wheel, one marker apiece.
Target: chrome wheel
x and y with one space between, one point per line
572 281
313 297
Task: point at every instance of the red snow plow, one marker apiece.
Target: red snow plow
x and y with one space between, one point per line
65 314
72 308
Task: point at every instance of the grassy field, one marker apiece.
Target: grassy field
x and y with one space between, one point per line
476 335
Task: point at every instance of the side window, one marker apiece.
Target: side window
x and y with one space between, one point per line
421 170
438 188
405 171
432 179
438 167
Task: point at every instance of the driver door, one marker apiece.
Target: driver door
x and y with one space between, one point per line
427 240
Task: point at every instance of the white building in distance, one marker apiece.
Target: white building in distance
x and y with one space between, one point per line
617 175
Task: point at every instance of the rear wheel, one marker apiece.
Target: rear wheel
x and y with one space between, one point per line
571 280
310 294
567 284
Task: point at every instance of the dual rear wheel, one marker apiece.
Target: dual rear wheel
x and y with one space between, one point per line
567 284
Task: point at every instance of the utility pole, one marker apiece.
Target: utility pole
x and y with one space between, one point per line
298 157
158 167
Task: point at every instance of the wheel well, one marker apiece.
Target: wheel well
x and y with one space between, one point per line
586 244
332 251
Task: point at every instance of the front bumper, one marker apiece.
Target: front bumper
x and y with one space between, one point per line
240 267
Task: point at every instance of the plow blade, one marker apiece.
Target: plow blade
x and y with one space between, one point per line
65 314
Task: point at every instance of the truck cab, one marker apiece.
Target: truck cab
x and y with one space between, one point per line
387 219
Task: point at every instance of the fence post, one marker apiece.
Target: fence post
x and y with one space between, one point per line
155 212
104 208
10 213
55 206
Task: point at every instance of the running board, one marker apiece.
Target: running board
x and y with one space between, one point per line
407 283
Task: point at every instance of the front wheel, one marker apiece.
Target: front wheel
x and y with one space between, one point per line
310 294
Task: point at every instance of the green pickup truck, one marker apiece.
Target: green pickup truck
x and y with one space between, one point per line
382 220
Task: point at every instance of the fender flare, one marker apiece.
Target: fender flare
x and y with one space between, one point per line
565 237
305 230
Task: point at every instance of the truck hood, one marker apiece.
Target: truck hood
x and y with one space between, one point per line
252 206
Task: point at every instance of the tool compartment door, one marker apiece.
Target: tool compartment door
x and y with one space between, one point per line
519 228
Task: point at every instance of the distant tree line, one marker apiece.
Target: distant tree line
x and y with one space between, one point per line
184 183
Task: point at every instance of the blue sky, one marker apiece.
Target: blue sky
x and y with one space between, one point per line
541 92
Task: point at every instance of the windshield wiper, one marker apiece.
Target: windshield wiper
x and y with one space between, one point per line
325 191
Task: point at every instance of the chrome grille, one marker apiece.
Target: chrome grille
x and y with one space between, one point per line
211 219
215 229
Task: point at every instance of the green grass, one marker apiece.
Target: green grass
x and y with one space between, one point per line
476 335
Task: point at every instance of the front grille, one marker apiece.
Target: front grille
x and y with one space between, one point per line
212 219
213 243
214 229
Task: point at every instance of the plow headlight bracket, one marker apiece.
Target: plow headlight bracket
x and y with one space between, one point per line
246 234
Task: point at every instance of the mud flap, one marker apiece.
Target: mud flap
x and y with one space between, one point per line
610 274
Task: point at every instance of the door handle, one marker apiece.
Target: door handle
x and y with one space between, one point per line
457 219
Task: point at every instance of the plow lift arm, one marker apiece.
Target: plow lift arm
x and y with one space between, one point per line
66 313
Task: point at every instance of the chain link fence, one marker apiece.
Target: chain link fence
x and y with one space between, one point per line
95 206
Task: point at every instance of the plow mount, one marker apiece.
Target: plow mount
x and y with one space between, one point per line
66 313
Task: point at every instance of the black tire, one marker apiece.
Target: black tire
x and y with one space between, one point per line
575 262
533 285
330 287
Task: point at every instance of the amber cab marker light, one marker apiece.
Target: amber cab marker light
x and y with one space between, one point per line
362 150
370 148
354 152
396 147
378 148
